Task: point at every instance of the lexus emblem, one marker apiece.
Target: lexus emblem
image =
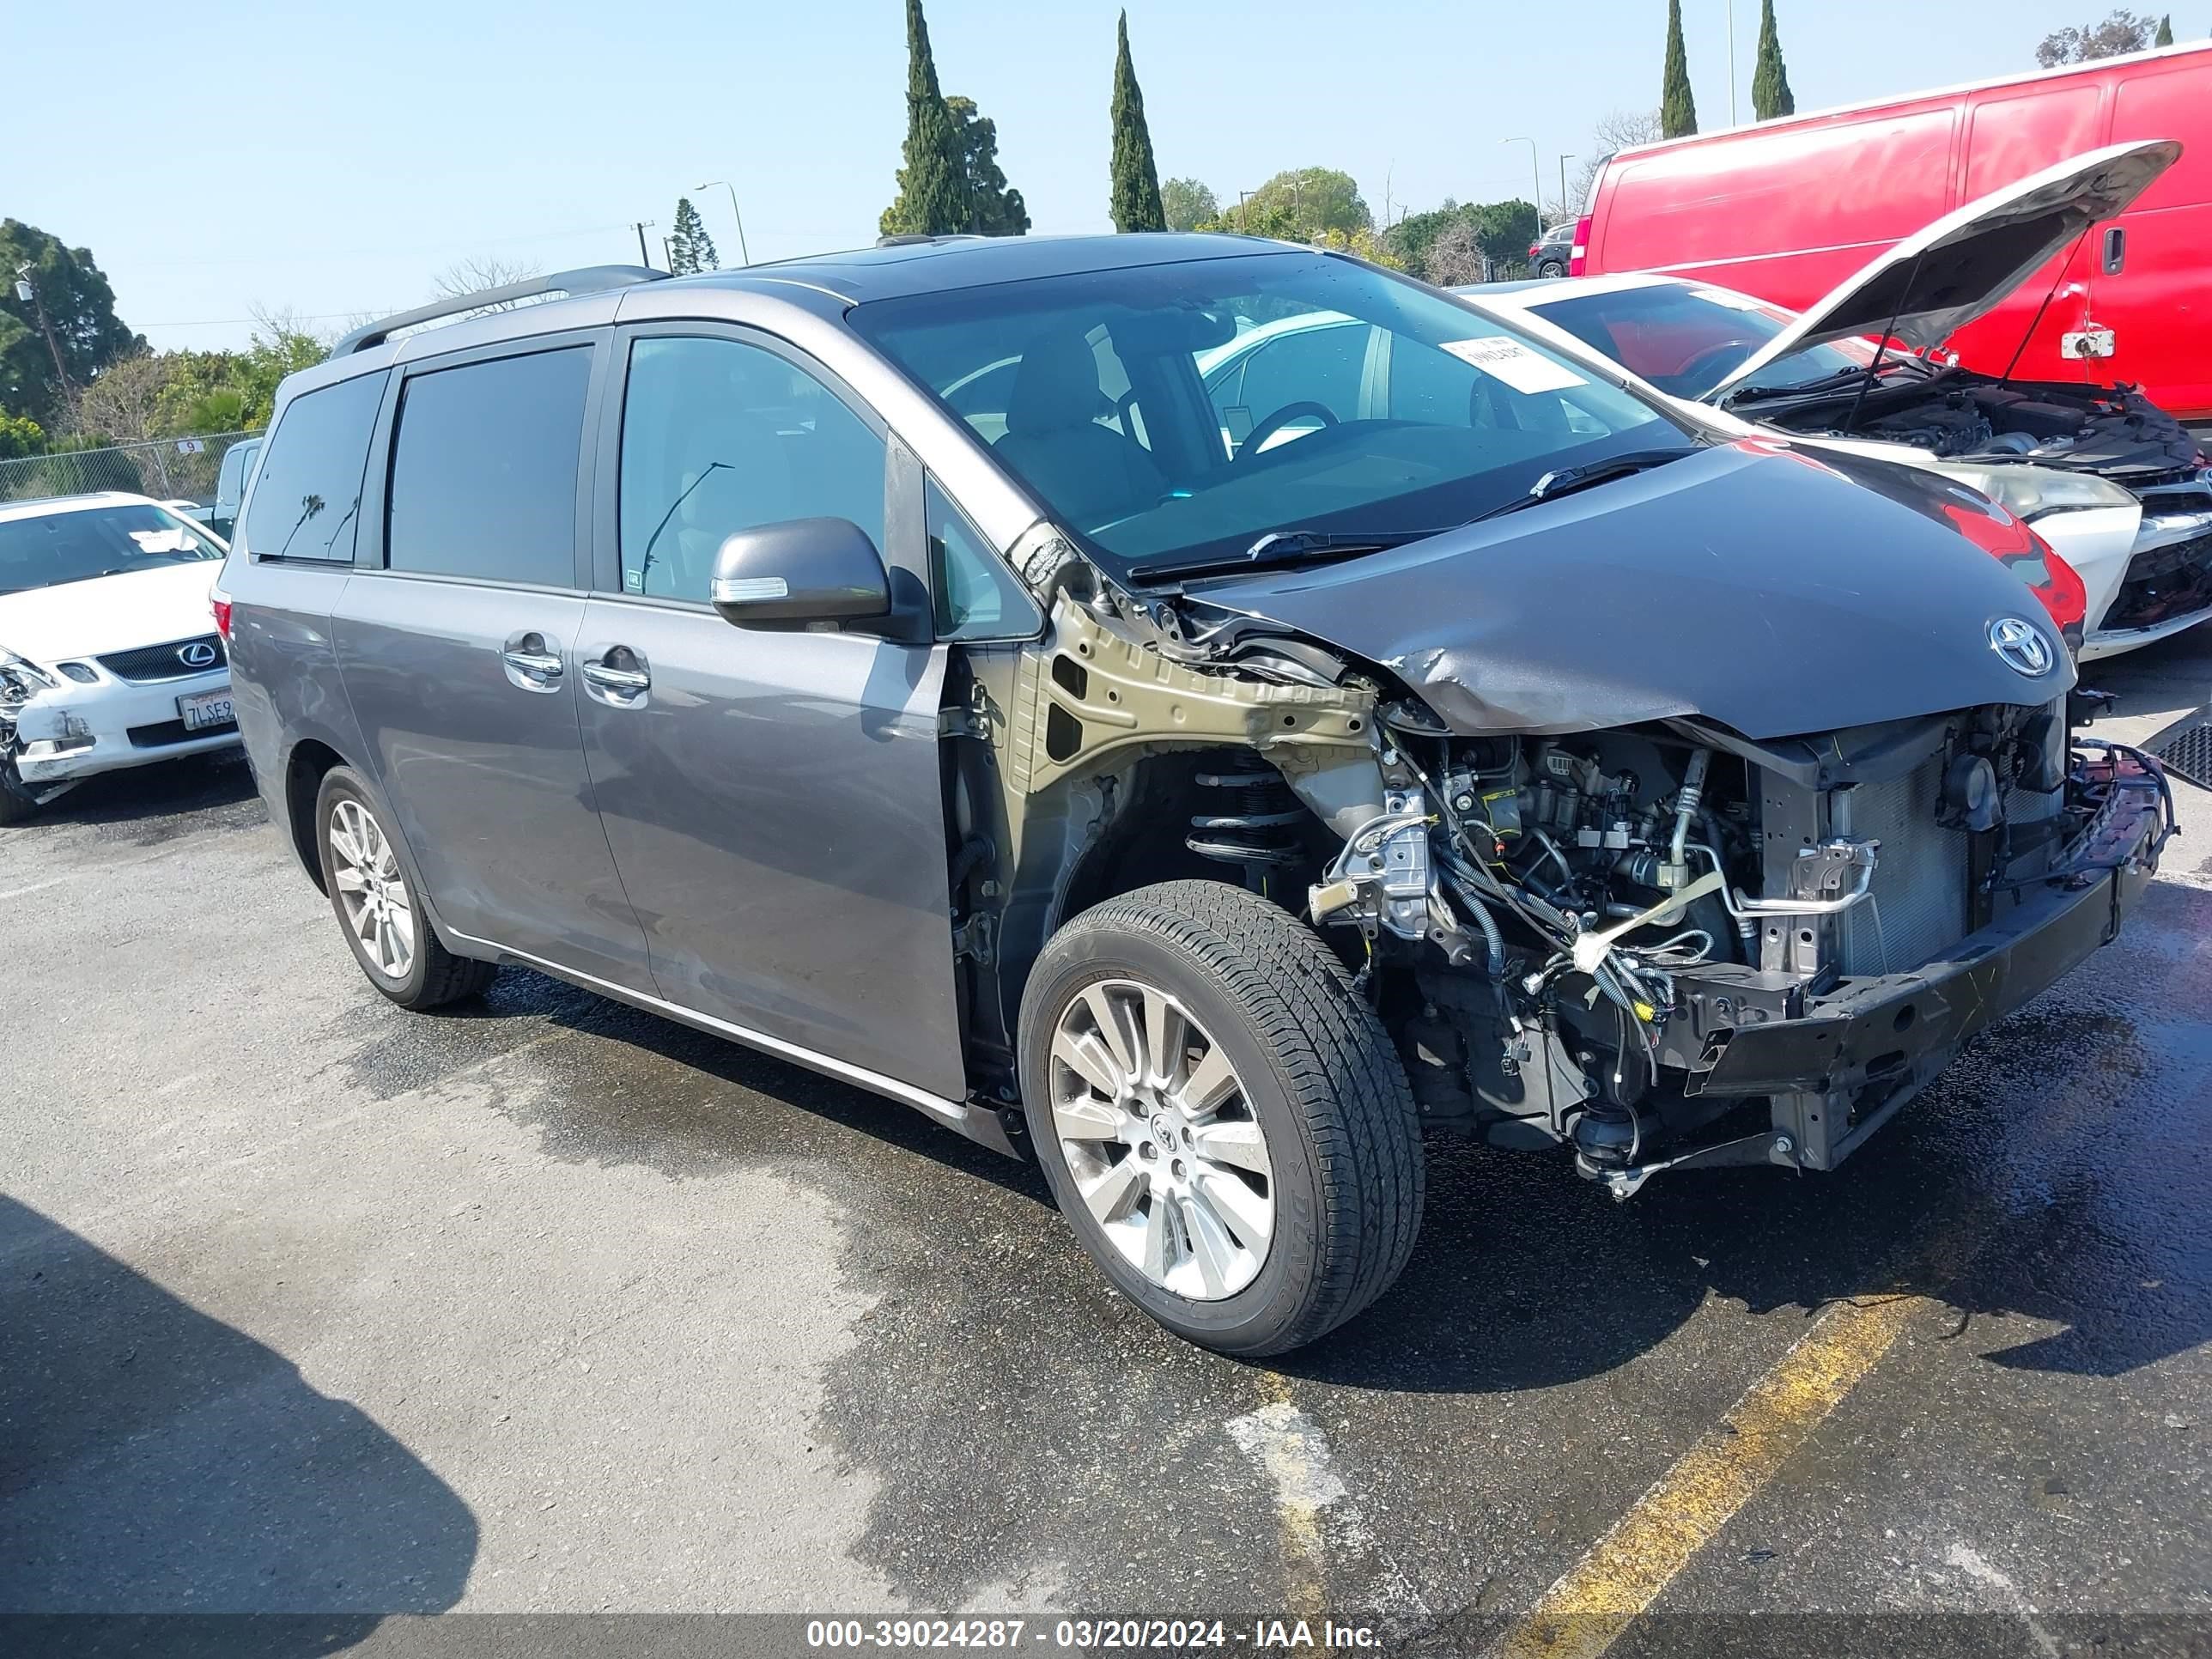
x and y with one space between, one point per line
2021 647
198 654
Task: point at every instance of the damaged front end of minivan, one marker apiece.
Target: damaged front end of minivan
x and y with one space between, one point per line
1604 898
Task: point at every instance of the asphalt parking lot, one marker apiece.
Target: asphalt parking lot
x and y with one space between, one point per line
309 1305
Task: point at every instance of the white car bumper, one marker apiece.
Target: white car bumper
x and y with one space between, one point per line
2163 586
72 731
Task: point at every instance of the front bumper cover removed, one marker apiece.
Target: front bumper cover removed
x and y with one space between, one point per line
1837 1065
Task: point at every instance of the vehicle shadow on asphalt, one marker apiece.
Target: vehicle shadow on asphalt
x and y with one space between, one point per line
150 802
155 1461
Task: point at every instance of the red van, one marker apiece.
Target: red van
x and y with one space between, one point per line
1787 209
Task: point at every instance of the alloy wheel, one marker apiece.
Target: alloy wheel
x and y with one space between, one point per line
1161 1138
372 889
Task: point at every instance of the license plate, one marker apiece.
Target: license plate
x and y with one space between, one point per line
207 708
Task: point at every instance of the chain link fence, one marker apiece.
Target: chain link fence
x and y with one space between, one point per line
167 468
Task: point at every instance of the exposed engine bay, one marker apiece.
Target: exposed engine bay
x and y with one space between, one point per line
2113 431
1607 941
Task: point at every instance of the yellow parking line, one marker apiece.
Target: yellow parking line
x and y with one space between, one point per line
1581 1615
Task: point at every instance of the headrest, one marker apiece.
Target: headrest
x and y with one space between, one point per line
1056 387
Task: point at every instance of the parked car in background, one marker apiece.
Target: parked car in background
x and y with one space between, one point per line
1497 755
108 655
1550 254
1787 209
237 472
2118 487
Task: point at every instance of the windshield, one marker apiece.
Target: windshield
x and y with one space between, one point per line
1173 414
54 548
1685 341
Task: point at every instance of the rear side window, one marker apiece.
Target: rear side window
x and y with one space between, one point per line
307 499
483 470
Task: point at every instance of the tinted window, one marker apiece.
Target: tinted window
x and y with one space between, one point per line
1175 489
54 548
1687 340
718 436
977 596
483 470
308 496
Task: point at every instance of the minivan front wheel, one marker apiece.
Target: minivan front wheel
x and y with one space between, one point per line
1222 1120
377 906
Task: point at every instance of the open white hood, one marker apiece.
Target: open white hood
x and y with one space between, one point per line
1935 281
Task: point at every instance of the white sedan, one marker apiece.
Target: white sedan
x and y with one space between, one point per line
108 652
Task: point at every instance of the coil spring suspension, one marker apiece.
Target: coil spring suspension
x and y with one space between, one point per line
1258 832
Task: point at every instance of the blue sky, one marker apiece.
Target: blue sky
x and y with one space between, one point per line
331 159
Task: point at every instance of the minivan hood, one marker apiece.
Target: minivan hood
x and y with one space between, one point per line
1935 282
110 613
1756 584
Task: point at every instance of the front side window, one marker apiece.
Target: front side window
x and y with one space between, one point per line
55 548
306 502
1331 445
977 596
485 467
720 436
1685 341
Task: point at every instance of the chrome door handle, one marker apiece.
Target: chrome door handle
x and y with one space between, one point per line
627 680
539 664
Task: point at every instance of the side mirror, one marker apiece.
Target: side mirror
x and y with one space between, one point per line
801 571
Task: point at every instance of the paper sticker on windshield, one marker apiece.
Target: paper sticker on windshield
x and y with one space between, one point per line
1509 360
1720 296
163 541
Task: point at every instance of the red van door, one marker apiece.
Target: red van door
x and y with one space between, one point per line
2011 133
2157 298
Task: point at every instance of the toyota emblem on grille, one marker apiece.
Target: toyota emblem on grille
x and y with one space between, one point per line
2021 647
198 654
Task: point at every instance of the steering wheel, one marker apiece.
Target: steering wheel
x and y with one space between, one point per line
1281 418
1711 364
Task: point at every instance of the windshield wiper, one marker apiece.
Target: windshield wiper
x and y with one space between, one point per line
1281 547
1566 480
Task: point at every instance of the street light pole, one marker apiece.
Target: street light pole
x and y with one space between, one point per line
744 256
1731 4
1535 171
641 226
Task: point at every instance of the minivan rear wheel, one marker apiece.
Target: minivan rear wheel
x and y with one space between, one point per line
1222 1119
378 908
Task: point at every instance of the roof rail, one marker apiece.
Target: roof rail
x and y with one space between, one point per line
590 279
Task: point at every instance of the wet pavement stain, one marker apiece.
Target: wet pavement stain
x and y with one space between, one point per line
1025 1425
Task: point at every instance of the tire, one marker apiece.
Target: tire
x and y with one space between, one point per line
430 976
1315 1078
16 804
1551 268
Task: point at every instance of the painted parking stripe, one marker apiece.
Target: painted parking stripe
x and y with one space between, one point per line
1584 1613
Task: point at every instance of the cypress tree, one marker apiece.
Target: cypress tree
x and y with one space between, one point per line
690 247
1770 82
1136 194
2164 35
1678 109
933 198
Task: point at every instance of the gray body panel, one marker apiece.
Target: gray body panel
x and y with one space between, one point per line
774 806
487 778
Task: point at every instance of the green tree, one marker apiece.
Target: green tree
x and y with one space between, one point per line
20 436
1186 203
1771 96
80 313
690 247
2121 31
995 208
1678 109
2164 35
1315 199
933 197
1135 197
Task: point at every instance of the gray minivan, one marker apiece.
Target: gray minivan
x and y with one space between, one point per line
884 660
